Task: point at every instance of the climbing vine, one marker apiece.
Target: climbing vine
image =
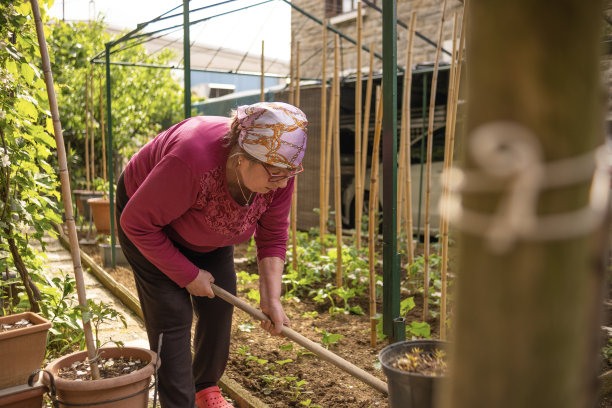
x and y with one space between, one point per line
28 184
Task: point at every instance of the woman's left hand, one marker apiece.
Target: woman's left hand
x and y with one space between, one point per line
274 310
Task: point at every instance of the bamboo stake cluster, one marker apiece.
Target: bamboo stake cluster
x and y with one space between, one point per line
432 105
405 176
455 78
373 208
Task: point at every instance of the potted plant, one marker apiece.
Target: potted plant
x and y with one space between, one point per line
23 339
414 370
100 207
124 372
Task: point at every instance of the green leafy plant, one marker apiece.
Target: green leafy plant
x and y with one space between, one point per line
329 339
28 182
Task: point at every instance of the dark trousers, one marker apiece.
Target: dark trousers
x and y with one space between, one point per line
168 309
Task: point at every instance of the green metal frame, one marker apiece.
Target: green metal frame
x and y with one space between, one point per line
393 323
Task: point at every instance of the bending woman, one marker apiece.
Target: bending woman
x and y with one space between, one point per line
183 201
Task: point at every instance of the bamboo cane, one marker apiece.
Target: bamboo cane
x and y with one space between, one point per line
373 208
297 74
295 180
65 184
92 155
366 122
407 148
262 95
358 118
446 189
322 156
338 202
448 159
291 68
87 171
103 135
432 105
322 352
328 148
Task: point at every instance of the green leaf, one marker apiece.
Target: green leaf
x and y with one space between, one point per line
27 72
26 107
407 305
11 67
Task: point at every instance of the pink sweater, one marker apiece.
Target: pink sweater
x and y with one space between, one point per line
178 192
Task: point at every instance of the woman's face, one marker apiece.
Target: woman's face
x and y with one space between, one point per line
260 177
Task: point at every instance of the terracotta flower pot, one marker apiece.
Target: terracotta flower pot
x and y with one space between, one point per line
22 396
126 391
100 208
22 350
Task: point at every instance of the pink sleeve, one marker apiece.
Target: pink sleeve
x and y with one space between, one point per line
166 194
271 232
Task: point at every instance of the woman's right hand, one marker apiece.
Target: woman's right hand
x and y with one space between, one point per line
200 286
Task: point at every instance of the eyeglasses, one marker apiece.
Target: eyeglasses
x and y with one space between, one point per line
278 177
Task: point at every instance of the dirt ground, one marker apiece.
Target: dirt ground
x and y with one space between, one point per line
282 374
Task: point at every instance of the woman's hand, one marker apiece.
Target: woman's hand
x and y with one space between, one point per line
200 286
274 310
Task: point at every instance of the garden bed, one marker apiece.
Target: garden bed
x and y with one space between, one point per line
281 373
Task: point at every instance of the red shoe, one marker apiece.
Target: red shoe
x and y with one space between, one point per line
211 398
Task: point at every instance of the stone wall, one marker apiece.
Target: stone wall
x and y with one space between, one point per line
310 34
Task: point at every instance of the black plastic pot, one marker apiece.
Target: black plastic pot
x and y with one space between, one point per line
406 389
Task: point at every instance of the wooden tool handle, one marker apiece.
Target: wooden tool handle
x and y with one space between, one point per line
306 343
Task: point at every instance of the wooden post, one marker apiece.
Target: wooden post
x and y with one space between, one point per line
432 107
262 93
448 161
358 118
528 313
322 156
372 210
65 185
338 202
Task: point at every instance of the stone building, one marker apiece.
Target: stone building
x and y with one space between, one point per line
342 14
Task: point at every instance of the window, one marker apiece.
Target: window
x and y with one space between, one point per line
336 7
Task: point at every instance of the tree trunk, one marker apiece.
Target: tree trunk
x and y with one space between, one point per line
528 309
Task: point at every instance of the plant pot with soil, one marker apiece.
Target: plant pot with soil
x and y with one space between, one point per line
23 340
415 370
74 386
100 208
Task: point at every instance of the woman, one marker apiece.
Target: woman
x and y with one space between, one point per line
183 201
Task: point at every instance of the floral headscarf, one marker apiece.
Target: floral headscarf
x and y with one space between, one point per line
274 133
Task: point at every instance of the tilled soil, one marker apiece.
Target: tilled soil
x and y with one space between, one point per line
281 373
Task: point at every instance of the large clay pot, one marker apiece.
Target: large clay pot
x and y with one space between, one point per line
100 209
22 350
127 391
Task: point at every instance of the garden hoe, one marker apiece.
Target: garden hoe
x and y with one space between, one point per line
306 343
